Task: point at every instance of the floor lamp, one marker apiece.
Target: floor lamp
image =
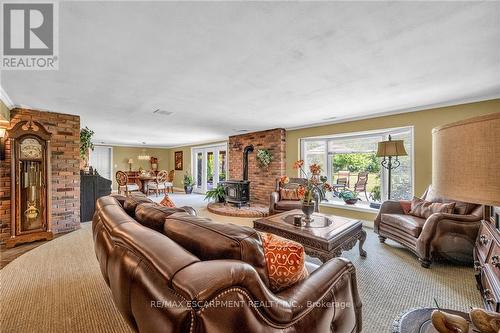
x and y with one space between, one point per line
388 150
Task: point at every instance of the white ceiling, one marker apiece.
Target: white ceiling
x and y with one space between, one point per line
226 66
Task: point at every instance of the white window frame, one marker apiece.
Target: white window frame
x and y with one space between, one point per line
383 132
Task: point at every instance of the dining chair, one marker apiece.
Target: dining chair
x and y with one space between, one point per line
123 185
159 184
169 184
360 185
343 179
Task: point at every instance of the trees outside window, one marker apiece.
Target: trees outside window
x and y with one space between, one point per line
355 153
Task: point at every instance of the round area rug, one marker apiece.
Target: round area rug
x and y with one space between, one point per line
254 210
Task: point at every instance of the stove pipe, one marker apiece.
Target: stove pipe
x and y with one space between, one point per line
248 149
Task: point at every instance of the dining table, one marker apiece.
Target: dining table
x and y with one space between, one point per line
144 179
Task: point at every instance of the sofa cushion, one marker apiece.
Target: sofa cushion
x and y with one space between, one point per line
133 200
424 209
289 194
405 205
288 205
285 261
408 223
153 215
210 240
461 208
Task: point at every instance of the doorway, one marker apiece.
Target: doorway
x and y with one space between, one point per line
209 167
101 160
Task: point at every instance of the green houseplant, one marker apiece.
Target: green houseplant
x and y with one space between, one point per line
86 145
188 183
376 197
264 157
218 194
349 197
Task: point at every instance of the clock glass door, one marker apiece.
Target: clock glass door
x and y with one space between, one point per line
31 184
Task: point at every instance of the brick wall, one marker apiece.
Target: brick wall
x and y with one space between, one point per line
262 180
65 161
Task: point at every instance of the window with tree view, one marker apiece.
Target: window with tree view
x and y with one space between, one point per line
347 159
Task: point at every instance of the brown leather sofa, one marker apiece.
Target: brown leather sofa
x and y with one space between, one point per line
441 236
196 275
278 205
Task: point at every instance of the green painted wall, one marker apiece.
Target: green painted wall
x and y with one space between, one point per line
121 155
423 123
4 112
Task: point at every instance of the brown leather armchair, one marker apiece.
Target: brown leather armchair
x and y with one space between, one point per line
278 205
202 276
441 236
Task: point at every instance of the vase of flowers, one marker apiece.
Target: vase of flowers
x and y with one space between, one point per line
312 188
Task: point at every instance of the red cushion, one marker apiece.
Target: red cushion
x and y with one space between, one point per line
285 261
406 206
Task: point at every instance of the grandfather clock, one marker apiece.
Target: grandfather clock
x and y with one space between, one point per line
30 183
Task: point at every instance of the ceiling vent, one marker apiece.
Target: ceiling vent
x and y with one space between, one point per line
240 130
330 118
162 112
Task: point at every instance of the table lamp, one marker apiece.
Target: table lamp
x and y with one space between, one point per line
130 161
466 161
388 150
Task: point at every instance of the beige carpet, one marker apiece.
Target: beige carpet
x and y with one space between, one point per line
58 287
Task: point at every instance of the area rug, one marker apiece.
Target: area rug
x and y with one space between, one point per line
58 287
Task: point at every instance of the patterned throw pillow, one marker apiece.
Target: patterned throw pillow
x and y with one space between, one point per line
285 261
167 202
422 208
289 194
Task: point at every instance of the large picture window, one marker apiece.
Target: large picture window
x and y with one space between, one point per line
346 158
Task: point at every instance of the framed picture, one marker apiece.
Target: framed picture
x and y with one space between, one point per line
178 160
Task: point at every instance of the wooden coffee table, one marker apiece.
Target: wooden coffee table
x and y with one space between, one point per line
325 238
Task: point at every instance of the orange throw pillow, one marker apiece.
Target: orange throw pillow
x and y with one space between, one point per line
285 261
167 202
289 194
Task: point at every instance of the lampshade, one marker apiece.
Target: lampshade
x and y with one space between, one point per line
466 160
391 148
130 161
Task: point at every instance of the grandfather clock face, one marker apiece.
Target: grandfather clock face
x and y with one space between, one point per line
31 149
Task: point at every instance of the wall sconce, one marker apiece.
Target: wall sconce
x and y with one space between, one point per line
2 144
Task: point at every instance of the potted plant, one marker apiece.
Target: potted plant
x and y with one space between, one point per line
218 194
188 183
264 157
349 197
376 197
313 184
85 146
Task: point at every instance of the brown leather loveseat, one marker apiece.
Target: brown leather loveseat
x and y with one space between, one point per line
196 275
442 235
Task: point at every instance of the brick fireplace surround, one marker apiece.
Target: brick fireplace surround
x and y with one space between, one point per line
65 162
262 181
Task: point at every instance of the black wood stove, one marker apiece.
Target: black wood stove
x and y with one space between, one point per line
238 191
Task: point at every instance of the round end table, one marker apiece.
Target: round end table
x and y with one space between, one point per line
419 321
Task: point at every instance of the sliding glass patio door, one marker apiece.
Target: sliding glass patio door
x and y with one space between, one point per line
209 167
